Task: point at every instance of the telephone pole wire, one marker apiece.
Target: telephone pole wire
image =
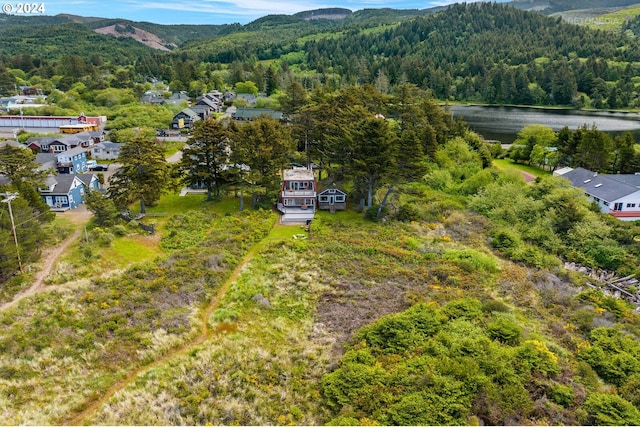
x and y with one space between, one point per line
8 198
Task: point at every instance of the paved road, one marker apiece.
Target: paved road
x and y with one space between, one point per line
175 158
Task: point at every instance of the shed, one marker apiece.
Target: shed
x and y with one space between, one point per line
332 200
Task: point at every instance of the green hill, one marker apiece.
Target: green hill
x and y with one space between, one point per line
52 38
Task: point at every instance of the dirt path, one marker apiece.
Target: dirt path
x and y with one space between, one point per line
205 333
529 177
79 217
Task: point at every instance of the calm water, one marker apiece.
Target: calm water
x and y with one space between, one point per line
503 123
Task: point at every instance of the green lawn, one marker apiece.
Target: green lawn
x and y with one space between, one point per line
172 147
508 164
134 249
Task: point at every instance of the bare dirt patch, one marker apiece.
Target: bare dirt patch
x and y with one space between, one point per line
139 35
353 305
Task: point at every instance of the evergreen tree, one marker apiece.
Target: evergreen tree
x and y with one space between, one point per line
293 99
104 209
624 154
594 151
264 145
145 174
19 165
206 156
373 149
563 83
271 82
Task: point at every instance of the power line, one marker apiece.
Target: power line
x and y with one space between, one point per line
8 198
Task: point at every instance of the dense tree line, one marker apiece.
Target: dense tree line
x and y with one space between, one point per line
585 147
488 52
484 52
21 177
633 25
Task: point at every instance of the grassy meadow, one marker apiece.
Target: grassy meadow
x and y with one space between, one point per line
226 317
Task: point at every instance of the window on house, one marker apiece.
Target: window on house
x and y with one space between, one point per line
288 202
60 200
309 202
339 199
324 199
606 203
631 205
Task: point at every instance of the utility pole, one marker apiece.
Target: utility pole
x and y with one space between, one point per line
8 198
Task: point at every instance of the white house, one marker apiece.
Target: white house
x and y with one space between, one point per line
617 195
106 150
297 198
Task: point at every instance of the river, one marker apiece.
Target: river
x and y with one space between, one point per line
503 123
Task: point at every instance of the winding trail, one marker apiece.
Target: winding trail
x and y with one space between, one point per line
205 334
50 255
49 260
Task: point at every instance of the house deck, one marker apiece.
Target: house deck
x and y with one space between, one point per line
295 215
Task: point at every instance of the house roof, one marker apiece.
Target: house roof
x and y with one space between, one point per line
40 141
108 145
631 179
605 187
251 113
72 152
12 143
298 174
200 108
562 171
63 183
46 160
188 112
68 140
331 191
208 102
87 178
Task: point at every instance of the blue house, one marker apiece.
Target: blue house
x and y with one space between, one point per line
63 192
90 181
72 161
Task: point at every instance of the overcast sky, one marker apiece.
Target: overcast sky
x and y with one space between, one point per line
214 11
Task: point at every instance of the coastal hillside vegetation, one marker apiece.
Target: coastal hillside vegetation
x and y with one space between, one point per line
446 300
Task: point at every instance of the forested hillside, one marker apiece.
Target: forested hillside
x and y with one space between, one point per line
487 53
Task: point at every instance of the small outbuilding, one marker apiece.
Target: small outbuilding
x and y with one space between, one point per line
332 200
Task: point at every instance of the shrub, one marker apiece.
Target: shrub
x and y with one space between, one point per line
371 213
120 230
222 314
407 213
630 390
533 357
505 331
560 394
439 179
392 334
495 306
467 308
609 409
505 240
471 260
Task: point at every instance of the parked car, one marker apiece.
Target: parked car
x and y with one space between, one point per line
92 165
